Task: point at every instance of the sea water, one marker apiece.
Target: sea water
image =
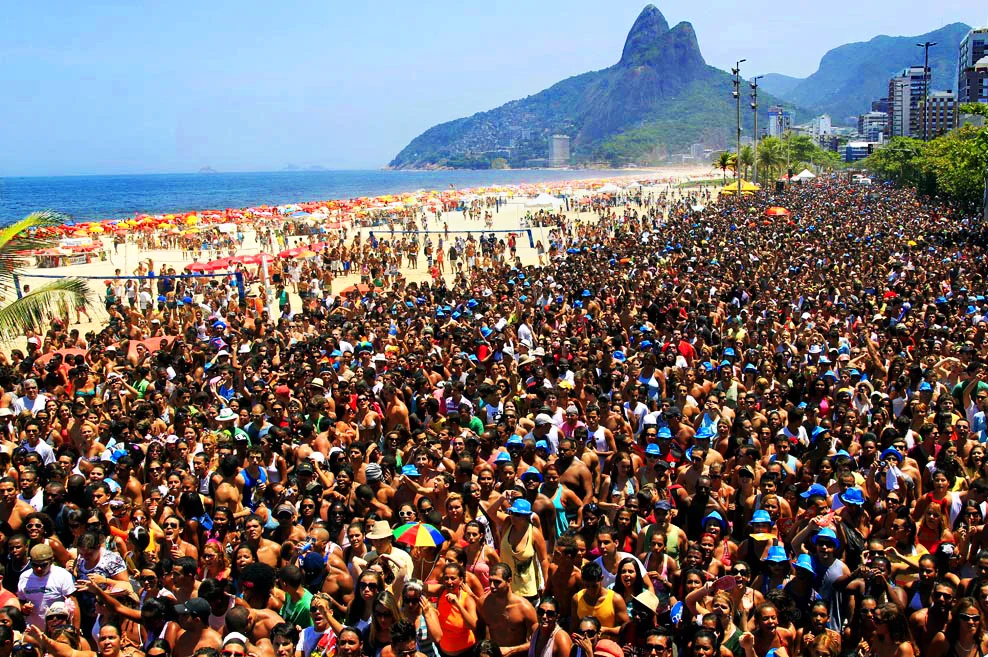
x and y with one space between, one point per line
92 198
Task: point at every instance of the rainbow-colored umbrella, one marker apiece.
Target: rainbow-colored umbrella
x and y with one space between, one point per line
419 534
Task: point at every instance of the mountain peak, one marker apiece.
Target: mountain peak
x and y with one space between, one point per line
648 27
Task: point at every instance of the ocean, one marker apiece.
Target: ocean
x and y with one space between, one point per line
91 198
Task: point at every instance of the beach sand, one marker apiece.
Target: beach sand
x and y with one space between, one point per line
128 256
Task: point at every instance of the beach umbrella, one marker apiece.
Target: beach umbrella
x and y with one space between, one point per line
195 266
306 253
776 211
419 534
361 288
290 253
257 258
44 358
215 265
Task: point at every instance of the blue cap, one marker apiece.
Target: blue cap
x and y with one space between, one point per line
761 516
750 367
729 351
542 444
313 561
532 472
815 489
664 432
645 344
925 387
713 515
805 562
410 471
186 299
705 432
515 439
486 331
585 293
503 457
776 553
653 450
577 304
521 507
827 533
832 374
472 303
620 357
893 452
117 454
725 363
161 298
853 496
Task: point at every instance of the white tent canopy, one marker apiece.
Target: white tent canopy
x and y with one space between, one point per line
543 200
610 188
805 174
634 184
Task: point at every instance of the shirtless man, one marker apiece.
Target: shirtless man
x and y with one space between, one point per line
193 618
929 621
510 618
257 598
564 576
13 510
268 551
241 619
225 490
573 473
395 410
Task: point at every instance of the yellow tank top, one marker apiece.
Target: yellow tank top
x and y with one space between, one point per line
524 566
603 610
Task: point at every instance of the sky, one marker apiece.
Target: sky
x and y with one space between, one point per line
102 87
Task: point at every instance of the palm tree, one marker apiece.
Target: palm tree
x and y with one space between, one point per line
725 161
770 157
31 311
747 159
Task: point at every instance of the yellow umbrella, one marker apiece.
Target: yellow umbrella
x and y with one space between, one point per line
191 221
306 254
96 229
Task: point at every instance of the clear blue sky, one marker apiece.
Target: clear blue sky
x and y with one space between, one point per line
139 87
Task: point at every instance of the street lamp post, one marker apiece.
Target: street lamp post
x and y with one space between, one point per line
754 110
737 97
926 45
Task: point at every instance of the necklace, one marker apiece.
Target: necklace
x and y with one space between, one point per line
964 648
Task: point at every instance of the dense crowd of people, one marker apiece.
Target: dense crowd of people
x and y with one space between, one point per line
695 429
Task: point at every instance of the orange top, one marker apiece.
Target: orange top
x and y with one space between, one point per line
457 637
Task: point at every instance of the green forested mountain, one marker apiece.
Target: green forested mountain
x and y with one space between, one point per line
658 99
853 75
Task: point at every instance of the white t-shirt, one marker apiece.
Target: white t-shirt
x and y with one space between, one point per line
22 404
43 449
57 585
309 642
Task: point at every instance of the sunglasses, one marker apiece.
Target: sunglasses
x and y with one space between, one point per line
548 613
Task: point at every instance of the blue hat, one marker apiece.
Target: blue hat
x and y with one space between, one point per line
729 351
705 432
117 454
853 496
832 374
761 516
663 505
815 489
472 303
586 293
619 356
186 299
503 457
515 439
725 363
805 562
925 387
750 367
577 304
854 372
664 432
410 471
219 325
827 533
542 444
313 561
532 472
713 515
776 553
707 365
645 344
893 452
521 507
161 298
523 298
653 450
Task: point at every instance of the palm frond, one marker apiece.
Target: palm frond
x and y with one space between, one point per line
15 238
38 306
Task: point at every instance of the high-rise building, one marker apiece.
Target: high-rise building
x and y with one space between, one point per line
939 113
972 67
880 105
857 150
779 121
873 126
905 93
821 126
559 150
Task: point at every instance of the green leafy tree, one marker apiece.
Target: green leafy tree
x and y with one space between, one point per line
900 161
771 157
980 139
747 159
36 307
725 161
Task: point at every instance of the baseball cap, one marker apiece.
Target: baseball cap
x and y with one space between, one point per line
542 419
815 489
42 552
194 607
373 472
521 507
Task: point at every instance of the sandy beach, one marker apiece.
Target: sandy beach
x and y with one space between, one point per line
127 257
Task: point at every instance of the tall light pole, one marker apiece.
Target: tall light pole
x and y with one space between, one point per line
737 97
926 45
754 110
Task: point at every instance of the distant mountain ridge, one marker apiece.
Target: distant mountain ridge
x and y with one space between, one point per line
659 98
851 76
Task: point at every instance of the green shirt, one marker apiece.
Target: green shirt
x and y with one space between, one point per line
297 613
